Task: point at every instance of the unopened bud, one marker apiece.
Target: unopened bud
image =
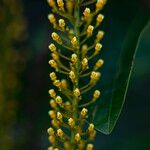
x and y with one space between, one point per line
59 100
56 37
87 12
52 47
59 116
91 127
52 93
76 92
84 113
74 58
98 64
100 18
98 47
53 104
61 23
95 76
53 76
53 63
77 137
89 147
52 114
96 94
72 76
51 131
84 63
90 30
52 139
60 133
71 122
74 41
99 35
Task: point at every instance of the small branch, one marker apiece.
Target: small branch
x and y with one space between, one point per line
88 2
63 14
82 88
85 75
63 67
86 104
62 56
87 89
63 72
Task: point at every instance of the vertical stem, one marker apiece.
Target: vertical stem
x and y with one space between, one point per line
76 84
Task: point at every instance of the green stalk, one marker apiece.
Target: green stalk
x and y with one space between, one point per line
76 84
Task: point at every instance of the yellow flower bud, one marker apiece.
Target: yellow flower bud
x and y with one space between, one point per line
81 145
52 139
55 123
53 63
74 58
53 104
98 47
67 105
59 100
74 41
95 76
87 12
56 149
59 116
92 135
100 4
99 18
98 64
90 30
99 35
76 92
55 56
67 146
72 76
84 50
84 63
60 133
51 131
53 76
84 113
51 2
71 122
91 127
61 23
52 18
52 47
56 37
52 114
52 93
57 83
96 94
77 137
60 4
50 148
89 147
64 84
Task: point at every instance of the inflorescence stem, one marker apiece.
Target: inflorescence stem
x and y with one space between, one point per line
71 54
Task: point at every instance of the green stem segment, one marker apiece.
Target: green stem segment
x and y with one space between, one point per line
77 68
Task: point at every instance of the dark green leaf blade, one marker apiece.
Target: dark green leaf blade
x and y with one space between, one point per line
108 113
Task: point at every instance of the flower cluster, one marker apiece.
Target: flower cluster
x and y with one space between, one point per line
71 56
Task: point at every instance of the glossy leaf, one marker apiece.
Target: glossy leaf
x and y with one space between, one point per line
109 108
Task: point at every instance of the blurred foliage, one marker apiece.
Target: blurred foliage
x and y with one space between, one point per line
12 31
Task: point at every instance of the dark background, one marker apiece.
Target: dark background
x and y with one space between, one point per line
132 131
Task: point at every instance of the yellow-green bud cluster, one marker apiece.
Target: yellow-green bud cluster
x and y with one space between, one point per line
71 56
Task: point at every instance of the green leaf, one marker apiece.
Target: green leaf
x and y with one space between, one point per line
107 112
